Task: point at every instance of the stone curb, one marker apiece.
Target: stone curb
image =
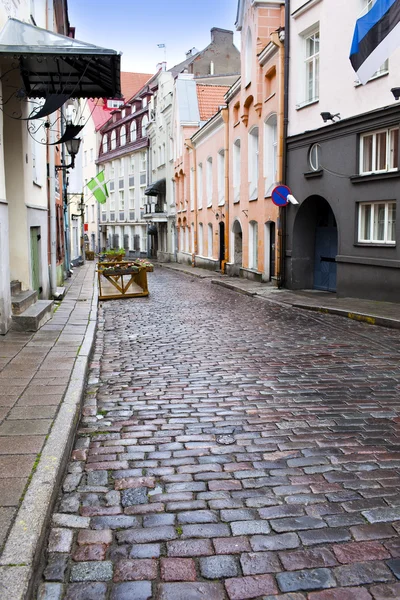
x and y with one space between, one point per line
25 543
356 316
231 286
185 272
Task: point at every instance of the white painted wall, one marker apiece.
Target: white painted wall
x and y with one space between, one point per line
337 90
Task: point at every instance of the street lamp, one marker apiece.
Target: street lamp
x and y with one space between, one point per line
72 149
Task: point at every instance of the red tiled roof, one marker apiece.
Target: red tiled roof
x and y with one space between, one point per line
210 98
131 83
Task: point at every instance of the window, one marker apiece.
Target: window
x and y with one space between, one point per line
187 239
200 185
270 152
379 151
200 240
248 57
377 222
144 102
191 190
210 240
209 181
253 164
112 170
314 157
221 177
92 210
113 140
132 165
91 155
131 198
121 167
112 200
312 67
85 158
145 122
105 144
143 161
236 171
121 200
253 244
133 131
122 139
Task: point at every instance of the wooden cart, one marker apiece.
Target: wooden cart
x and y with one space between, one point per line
121 279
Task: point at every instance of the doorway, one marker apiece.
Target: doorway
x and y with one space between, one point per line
269 246
35 259
221 243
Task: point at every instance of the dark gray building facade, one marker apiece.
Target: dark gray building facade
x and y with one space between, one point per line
343 236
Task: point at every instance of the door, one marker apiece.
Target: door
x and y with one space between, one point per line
326 246
35 259
271 249
221 244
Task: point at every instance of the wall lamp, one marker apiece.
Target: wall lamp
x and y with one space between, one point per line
327 116
72 149
396 93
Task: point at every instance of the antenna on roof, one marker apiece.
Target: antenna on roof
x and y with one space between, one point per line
164 46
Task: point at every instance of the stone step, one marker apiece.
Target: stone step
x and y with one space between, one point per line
23 300
15 287
34 317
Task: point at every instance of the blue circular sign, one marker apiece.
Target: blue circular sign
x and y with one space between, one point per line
279 195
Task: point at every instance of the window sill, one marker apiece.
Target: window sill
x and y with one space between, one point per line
209 205
374 177
222 203
375 244
236 124
358 84
253 199
306 104
313 174
269 97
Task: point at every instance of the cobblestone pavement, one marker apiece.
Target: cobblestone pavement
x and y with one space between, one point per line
231 449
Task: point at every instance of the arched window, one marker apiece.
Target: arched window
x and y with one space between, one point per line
209 181
253 163
122 136
236 170
133 131
210 240
113 140
145 121
270 152
105 144
248 57
253 244
200 241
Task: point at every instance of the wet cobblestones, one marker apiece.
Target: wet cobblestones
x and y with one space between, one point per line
303 505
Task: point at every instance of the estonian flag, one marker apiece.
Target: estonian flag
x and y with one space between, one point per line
376 36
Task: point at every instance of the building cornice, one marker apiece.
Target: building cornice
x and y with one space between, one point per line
123 150
233 90
267 53
257 4
306 6
211 126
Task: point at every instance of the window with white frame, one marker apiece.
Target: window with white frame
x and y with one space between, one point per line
253 244
112 170
191 190
105 144
113 139
145 122
181 239
248 57
379 151
210 240
236 170
121 167
143 161
209 181
377 222
133 131
132 165
192 238
121 200
92 211
186 239
270 152
253 163
112 201
221 177
200 241
91 155
85 158
200 185
312 66
314 157
131 198
122 136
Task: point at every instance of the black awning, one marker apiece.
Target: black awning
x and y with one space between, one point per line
157 188
50 63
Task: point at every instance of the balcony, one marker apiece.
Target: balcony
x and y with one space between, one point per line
156 211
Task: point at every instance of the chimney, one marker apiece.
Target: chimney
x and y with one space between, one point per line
191 52
221 35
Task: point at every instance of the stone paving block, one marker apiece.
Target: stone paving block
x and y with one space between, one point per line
362 573
50 591
136 570
90 552
256 563
11 491
116 522
217 567
190 548
359 552
284 541
192 591
178 569
86 591
389 591
27 444
244 588
341 594
310 579
145 551
205 530
380 515
307 559
329 536
133 590
88 536
394 566
231 545
92 571
148 534
60 540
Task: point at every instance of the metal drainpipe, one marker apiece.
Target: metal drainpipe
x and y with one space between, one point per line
192 147
225 116
283 211
52 184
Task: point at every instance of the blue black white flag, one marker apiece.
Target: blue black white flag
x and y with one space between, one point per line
376 36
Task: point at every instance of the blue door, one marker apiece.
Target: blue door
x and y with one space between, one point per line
326 247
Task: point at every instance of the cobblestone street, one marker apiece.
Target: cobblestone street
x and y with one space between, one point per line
231 449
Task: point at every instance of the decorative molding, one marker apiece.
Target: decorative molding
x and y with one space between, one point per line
258 108
306 6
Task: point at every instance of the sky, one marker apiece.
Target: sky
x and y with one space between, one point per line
135 27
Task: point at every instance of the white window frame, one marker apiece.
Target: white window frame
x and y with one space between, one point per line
122 134
145 122
236 170
105 143
389 158
361 223
133 131
221 177
248 57
200 240
270 152
253 245
121 200
191 188
132 165
113 139
131 198
200 185
209 181
312 59
253 158
210 240
112 170
121 169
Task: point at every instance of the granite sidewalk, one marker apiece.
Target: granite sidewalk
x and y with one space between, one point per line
369 311
42 377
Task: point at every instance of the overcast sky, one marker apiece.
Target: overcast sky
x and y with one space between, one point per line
135 27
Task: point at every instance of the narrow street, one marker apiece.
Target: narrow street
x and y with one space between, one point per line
230 449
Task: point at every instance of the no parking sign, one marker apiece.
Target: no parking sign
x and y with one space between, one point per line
281 195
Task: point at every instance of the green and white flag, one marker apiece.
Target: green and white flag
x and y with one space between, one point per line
98 187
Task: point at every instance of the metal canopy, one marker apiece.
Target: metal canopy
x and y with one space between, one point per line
55 64
157 188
